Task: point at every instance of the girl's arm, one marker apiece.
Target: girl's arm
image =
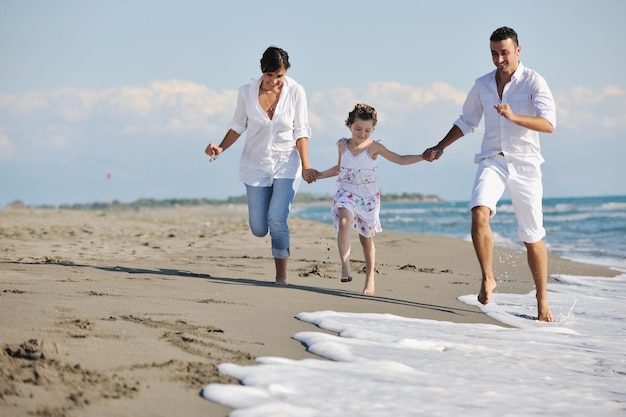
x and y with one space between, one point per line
380 149
330 172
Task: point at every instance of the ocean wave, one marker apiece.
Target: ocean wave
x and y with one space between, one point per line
614 206
416 210
589 229
506 241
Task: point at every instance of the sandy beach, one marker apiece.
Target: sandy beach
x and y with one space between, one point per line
130 313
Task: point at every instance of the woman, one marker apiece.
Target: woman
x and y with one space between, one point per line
273 110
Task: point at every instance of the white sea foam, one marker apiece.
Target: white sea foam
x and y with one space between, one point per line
386 365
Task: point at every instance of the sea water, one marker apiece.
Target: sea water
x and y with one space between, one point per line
587 229
386 365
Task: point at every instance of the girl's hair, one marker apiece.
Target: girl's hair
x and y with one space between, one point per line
363 112
273 58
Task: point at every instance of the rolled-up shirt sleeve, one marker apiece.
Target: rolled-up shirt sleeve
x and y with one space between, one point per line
301 127
469 120
543 100
239 122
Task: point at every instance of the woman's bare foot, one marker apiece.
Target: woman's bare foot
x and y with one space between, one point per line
281 270
486 288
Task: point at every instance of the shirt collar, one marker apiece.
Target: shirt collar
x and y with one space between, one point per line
517 75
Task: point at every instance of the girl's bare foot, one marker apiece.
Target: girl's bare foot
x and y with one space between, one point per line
345 272
486 288
369 286
281 281
368 291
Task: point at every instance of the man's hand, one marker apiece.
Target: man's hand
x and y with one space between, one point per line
505 111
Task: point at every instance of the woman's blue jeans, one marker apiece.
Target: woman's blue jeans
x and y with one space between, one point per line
268 210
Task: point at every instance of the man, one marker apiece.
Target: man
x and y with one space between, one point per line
517 104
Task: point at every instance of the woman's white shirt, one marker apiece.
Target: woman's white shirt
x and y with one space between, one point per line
270 147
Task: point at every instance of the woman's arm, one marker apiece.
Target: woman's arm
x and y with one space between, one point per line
213 150
308 173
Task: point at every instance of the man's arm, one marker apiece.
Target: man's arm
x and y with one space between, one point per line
436 151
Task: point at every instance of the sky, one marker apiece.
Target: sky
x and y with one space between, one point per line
386 365
117 100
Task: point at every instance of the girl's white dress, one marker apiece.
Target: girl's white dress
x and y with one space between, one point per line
357 191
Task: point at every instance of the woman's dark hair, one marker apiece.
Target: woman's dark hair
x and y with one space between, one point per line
504 33
274 58
363 112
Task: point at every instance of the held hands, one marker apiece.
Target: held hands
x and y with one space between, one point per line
310 175
432 154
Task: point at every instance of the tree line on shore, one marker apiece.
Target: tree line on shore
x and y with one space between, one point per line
301 198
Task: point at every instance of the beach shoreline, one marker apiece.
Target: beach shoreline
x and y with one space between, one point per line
130 312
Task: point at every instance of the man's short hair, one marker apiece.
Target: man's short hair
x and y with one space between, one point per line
504 33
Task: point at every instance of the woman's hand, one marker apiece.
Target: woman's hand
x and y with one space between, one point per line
213 150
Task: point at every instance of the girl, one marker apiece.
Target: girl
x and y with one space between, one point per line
356 203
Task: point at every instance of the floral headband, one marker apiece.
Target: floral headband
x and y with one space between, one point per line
364 108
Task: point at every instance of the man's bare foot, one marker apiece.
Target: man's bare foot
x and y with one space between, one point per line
281 281
486 288
543 311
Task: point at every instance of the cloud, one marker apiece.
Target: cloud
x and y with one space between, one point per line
166 108
57 140
22 104
142 131
591 110
396 103
6 147
181 108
